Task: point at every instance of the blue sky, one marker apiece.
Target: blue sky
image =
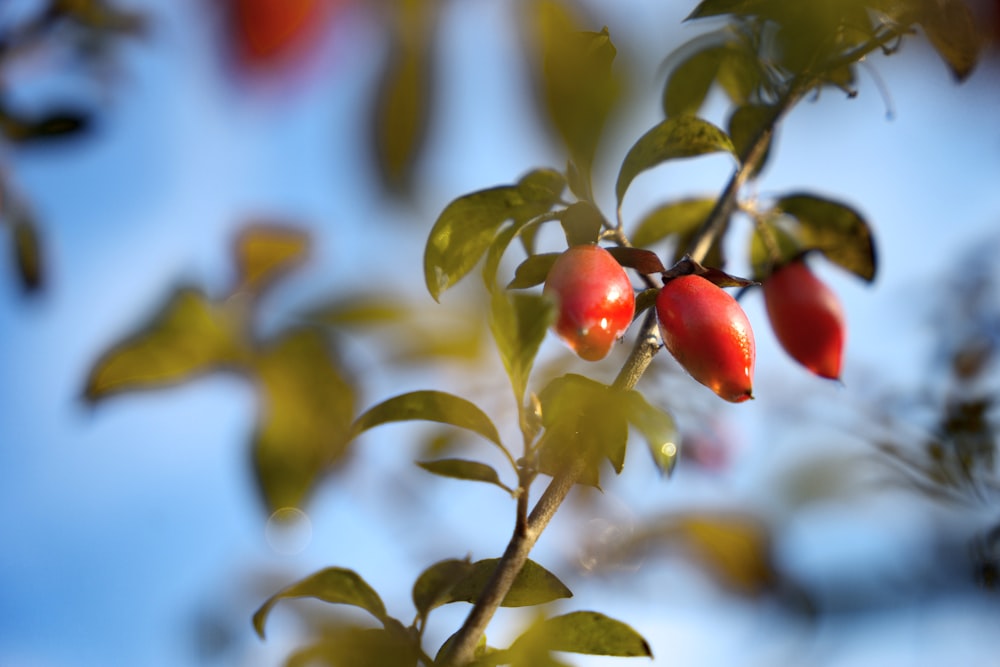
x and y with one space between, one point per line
122 525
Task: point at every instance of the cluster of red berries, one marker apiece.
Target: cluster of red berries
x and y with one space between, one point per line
701 324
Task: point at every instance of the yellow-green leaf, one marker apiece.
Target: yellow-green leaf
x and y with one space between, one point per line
586 632
435 406
519 323
533 585
335 585
263 253
473 471
28 255
657 428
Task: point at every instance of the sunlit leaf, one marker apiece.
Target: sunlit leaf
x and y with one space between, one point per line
468 225
519 322
586 632
533 271
434 406
579 87
334 585
405 89
307 404
263 253
28 254
657 428
835 229
735 548
533 585
679 137
392 646
189 336
434 585
462 469
951 28
583 419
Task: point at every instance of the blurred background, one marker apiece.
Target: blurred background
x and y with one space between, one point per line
286 176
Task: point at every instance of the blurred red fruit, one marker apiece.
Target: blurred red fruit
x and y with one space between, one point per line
266 31
708 333
807 318
595 299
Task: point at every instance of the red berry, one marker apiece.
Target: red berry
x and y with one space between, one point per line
807 318
267 30
595 299
708 333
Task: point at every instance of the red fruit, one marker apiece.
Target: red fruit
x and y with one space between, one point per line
708 333
595 299
266 30
807 318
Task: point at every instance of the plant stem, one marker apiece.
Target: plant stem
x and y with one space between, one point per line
526 533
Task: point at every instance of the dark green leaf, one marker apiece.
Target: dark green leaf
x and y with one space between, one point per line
679 137
461 469
746 124
190 336
587 632
683 217
435 406
434 585
582 223
835 229
658 429
533 271
533 585
770 247
717 7
264 253
951 29
307 404
519 322
334 585
578 85
739 72
468 225
53 124
689 82
28 254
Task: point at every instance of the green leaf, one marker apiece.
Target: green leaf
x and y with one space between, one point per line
835 229
679 137
582 419
519 322
403 100
746 123
263 253
360 310
468 225
772 246
307 403
951 28
682 219
586 632
533 270
718 7
462 469
28 254
190 336
689 82
579 87
434 406
392 646
534 585
434 585
582 223
658 429
334 585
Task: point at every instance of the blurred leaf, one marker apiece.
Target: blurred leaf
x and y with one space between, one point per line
658 429
307 404
640 259
533 271
473 471
360 647
735 548
771 246
579 88
689 82
435 406
835 229
52 124
102 15
189 336
717 7
682 218
582 419
263 253
361 310
582 223
679 137
434 585
534 585
28 254
746 123
405 90
468 225
951 28
587 632
519 322
334 585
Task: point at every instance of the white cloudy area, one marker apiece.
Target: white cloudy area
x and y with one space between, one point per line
132 533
